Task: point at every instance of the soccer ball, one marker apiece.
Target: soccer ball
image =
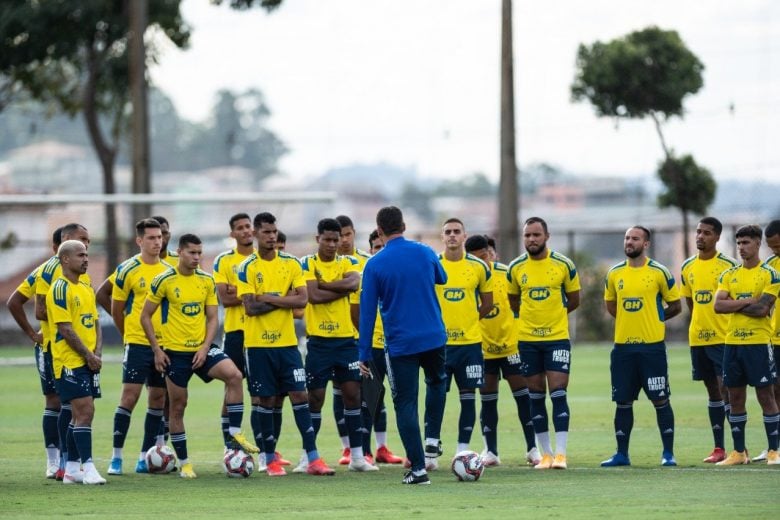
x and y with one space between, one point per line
467 466
160 459
238 464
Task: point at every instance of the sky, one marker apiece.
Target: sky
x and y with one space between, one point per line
416 83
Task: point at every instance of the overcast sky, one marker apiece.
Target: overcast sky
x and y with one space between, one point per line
416 82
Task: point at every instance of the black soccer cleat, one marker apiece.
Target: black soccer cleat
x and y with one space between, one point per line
411 478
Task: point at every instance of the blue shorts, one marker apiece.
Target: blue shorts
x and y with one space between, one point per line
331 358
138 366
274 371
233 346
75 383
179 370
544 356
506 366
752 365
466 364
639 366
706 362
45 370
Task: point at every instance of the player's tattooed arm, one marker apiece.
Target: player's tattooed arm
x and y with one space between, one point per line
761 308
252 307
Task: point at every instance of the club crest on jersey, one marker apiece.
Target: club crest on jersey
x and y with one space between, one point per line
454 294
632 304
87 321
259 278
524 279
190 309
703 297
620 284
539 293
142 283
177 292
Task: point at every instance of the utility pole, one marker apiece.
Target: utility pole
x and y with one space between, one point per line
508 205
139 19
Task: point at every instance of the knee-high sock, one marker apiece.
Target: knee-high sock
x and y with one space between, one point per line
717 412
121 426
560 410
489 420
303 420
523 403
539 418
154 417
771 423
665 417
468 416
624 423
738 423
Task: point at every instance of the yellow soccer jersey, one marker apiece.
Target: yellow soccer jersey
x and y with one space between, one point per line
459 298
639 293
740 282
332 319
378 340
542 286
27 287
774 262
277 276
361 257
699 281
499 328
183 301
226 271
72 303
131 281
47 273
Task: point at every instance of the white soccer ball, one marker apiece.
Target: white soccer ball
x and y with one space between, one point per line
238 464
160 459
467 466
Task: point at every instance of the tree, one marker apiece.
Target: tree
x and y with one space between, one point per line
688 187
74 57
647 73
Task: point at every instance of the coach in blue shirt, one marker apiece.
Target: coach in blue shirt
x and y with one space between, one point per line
400 280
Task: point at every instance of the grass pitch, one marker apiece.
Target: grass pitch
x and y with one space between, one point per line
692 490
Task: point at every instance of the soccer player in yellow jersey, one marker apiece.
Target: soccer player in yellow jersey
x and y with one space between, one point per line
51 411
747 293
130 285
47 273
707 330
772 238
544 288
76 353
271 285
188 297
466 298
635 293
166 254
502 358
331 348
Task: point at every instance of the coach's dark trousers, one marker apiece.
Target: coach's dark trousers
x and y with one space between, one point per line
403 373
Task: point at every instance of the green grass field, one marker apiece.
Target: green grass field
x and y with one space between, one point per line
692 490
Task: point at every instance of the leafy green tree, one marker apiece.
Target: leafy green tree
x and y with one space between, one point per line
647 73
74 56
474 185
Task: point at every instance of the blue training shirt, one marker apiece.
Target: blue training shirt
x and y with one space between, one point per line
400 280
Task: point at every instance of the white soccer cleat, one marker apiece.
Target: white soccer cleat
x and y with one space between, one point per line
51 470
761 457
92 477
431 463
361 464
490 459
73 478
303 464
261 465
533 457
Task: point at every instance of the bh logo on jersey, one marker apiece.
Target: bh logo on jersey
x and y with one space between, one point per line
190 309
539 293
703 297
454 294
632 304
87 321
656 383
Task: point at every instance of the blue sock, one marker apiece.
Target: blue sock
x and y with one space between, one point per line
179 442
265 418
254 421
51 435
489 420
365 416
354 419
665 417
523 403
277 423
227 439
468 416
738 423
338 414
560 410
235 415
624 423
380 422
538 412
316 422
717 413
121 426
154 417
63 424
82 437
771 423
72 449
303 420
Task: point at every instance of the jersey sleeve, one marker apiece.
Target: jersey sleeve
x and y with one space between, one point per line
298 279
120 289
27 287
610 293
772 286
245 279
57 304
218 271
157 290
308 268
572 280
211 298
669 291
